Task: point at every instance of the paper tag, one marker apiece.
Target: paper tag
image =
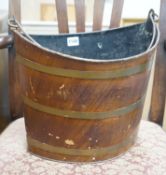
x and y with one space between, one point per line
73 41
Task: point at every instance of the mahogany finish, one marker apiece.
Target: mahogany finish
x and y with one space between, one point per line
14 86
98 14
61 8
59 110
116 13
159 84
80 15
15 9
62 16
71 118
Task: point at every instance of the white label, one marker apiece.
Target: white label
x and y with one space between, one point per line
73 41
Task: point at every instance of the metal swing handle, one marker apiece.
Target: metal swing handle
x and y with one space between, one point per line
6 40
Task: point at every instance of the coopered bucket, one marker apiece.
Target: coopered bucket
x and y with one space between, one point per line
83 93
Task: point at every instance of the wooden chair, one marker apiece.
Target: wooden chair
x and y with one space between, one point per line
141 159
159 84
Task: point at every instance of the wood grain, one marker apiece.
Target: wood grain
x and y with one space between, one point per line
15 9
81 95
14 83
116 13
61 8
98 14
80 15
69 137
15 99
159 84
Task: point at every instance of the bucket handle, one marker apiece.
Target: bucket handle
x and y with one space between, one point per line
6 40
152 14
151 20
13 23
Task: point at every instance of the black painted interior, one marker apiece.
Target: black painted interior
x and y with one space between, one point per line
111 44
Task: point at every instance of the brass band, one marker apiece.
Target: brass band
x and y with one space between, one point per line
82 152
84 74
83 115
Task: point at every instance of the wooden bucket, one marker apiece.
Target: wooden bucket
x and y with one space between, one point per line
83 93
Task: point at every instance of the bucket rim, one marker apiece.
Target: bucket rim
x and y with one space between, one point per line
151 47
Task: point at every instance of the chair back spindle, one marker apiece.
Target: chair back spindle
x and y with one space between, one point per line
62 17
116 13
98 14
15 9
80 11
80 15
